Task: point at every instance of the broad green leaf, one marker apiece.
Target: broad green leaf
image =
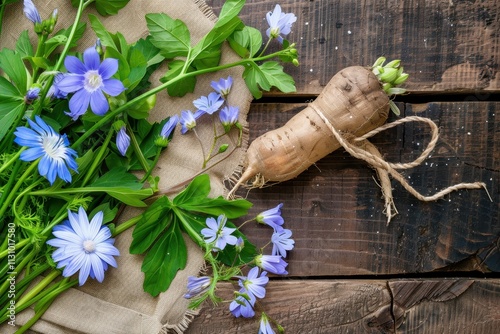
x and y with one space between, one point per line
255 79
123 67
182 87
229 254
12 64
246 42
125 195
217 206
109 7
153 221
277 78
23 45
117 177
108 212
164 259
61 37
149 51
195 192
170 36
255 40
8 91
141 109
41 62
229 10
9 111
208 58
101 32
138 68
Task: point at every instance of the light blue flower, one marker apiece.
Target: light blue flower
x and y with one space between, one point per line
83 246
229 116
280 24
32 94
282 242
272 263
169 127
241 306
197 286
265 326
43 142
223 86
271 217
209 104
89 80
122 140
254 283
188 121
31 12
218 233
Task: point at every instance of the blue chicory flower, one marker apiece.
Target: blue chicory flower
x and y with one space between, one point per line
122 140
282 242
197 286
223 86
254 283
169 127
265 326
280 24
89 80
31 12
32 94
272 263
229 116
83 246
241 306
43 142
271 217
188 121
209 104
218 233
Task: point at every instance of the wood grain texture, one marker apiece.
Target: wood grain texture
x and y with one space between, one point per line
370 306
336 214
445 45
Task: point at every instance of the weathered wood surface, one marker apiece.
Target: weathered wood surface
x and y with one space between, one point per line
369 306
445 45
335 209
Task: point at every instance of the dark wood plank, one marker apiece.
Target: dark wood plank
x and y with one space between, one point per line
336 213
403 306
445 45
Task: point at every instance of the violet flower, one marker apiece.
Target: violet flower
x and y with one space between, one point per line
122 140
272 263
280 24
271 217
218 234
282 242
208 104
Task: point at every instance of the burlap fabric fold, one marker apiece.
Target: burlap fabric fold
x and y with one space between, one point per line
119 304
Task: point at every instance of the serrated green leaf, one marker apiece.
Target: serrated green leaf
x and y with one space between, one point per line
23 45
153 221
167 256
109 7
195 192
277 78
12 64
182 87
170 36
255 79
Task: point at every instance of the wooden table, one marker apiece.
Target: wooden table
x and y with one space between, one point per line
435 267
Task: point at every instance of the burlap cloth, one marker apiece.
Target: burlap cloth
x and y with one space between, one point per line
119 304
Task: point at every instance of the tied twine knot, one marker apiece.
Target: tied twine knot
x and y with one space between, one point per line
361 148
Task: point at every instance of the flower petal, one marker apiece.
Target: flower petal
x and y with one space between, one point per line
112 87
97 267
74 65
98 103
91 59
79 103
108 67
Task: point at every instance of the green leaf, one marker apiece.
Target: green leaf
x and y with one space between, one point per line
12 64
182 87
109 7
164 259
23 45
255 79
123 67
195 192
41 62
229 10
61 37
149 51
246 42
138 68
229 254
8 91
9 110
217 206
170 36
153 221
108 212
277 78
208 58
125 195
101 32
255 40
118 177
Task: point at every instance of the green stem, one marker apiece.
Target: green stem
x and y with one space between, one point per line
192 233
35 318
12 192
17 271
153 165
12 160
106 118
18 245
99 156
126 225
2 11
137 149
39 52
38 288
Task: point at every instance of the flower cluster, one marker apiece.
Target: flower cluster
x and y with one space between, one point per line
217 236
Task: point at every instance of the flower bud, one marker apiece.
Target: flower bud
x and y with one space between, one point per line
401 79
389 75
223 148
393 64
